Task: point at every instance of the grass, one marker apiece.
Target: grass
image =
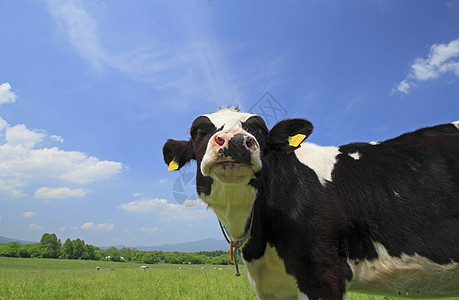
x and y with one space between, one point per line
72 279
29 278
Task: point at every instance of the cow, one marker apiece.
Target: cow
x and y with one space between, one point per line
314 222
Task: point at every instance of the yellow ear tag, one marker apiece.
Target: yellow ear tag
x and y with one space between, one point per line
296 140
173 165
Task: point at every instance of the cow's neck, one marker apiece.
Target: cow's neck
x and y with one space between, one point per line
233 205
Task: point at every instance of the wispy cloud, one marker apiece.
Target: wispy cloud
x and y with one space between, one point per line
98 227
195 65
442 58
28 214
58 193
149 230
34 226
81 29
194 210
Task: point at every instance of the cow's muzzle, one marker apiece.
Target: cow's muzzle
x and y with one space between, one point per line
231 156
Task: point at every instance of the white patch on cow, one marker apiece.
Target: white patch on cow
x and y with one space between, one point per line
229 119
374 143
269 278
456 123
407 275
232 203
320 159
356 155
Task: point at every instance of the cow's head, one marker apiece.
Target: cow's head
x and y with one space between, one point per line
228 146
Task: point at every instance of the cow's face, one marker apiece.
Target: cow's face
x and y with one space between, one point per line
228 145
230 152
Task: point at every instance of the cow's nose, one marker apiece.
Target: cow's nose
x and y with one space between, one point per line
236 139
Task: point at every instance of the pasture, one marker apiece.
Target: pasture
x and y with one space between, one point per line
29 278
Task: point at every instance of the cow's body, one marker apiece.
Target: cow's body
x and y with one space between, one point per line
378 217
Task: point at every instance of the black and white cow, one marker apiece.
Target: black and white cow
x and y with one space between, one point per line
377 218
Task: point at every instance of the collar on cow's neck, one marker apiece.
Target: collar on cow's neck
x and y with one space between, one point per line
236 245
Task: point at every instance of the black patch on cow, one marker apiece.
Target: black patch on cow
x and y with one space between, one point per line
404 194
256 126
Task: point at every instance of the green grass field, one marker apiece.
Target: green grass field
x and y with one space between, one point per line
29 278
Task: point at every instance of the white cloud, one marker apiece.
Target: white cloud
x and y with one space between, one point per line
22 160
34 226
169 211
98 227
28 214
62 228
58 193
20 136
57 138
149 230
138 194
144 205
441 59
192 203
6 95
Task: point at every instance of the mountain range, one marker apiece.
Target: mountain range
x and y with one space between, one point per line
4 240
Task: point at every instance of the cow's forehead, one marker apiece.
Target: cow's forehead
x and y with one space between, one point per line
229 119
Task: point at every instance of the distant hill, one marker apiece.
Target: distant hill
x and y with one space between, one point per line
4 240
210 244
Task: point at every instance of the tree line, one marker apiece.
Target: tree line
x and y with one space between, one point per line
51 247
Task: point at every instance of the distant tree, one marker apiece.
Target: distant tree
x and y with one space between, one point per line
100 254
90 252
172 258
35 250
67 249
24 251
127 253
10 249
51 245
150 258
78 248
115 254
139 256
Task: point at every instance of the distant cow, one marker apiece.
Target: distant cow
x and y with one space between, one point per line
144 267
315 221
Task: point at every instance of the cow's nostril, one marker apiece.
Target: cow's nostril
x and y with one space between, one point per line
250 143
220 141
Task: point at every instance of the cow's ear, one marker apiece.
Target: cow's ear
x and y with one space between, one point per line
177 154
287 135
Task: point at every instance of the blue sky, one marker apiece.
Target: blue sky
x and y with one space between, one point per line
91 90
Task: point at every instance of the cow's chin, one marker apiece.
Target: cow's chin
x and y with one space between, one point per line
231 172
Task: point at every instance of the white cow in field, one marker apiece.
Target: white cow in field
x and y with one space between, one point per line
144 267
